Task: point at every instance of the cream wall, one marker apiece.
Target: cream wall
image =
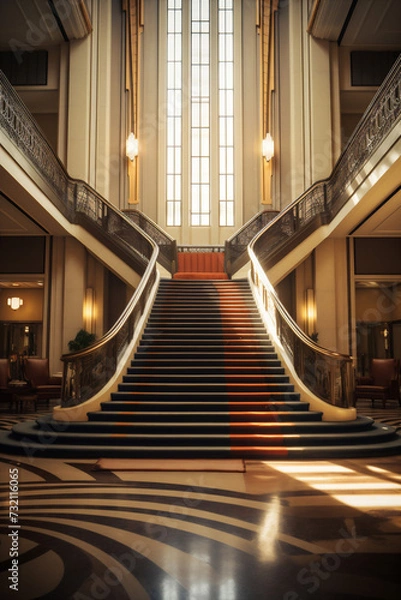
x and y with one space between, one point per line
252 127
151 117
331 293
73 289
81 270
304 122
96 105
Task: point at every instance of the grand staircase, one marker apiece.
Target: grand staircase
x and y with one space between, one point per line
205 382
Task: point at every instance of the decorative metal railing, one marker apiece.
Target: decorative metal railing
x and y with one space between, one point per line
236 247
328 374
167 245
324 200
200 249
85 372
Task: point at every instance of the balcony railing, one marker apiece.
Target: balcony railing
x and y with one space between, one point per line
167 245
85 372
236 247
328 374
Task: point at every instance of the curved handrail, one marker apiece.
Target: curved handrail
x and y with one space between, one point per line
167 244
85 372
88 370
235 248
328 374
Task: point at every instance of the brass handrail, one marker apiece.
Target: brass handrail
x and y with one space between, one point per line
327 374
87 371
167 244
236 247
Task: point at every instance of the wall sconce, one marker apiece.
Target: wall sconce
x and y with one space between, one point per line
386 336
15 302
268 147
89 310
310 312
131 146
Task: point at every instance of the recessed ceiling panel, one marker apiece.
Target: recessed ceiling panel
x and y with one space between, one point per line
15 222
384 222
374 23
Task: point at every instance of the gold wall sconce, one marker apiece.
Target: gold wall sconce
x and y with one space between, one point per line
89 310
310 312
132 146
14 302
268 147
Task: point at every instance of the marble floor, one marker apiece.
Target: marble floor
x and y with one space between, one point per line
241 530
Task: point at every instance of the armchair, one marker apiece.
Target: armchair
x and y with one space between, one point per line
383 383
36 371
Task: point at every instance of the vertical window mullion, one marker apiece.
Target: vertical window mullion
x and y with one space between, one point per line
174 112
226 111
200 113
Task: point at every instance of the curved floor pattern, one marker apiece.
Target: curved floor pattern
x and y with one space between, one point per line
280 530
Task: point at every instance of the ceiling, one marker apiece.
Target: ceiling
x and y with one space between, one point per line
384 222
361 23
28 24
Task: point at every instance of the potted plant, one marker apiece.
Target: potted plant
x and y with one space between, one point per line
82 340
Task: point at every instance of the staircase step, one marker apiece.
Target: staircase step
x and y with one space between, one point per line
241 430
207 379
206 369
206 320
168 363
227 440
188 311
244 344
240 336
188 413
211 351
206 388
206 329
275 401
172 353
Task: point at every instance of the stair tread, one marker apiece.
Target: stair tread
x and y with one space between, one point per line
140 360
276 426
374 432
225 377
174 413
183 452
194 394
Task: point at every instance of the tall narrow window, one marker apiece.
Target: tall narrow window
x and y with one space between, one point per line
174 112
226 112
200 112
